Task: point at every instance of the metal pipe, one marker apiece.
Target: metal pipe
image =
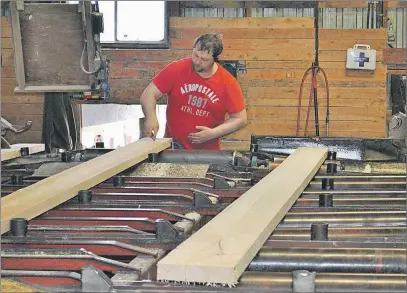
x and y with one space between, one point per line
197 157
341 233
328 282
336 217
389 261
49 274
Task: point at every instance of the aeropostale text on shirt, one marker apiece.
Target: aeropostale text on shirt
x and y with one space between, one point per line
194 87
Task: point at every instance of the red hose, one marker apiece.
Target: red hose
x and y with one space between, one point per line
314 82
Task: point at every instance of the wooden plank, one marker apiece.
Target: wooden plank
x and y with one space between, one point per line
42 196
6 43
7 57
348 128
14 108
5 21
10 285
245 135
332 74
6 32
283 102
18 47
246 22
171 55
352 34
14 150
8 154
295 45
220 251
22 98
336 113
395 56
146 55
340 56
252 64
33 147
8 71
341 44
349 95
244 33
297 55
296 83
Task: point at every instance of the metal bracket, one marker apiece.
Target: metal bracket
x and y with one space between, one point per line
153 158
220 183
303 281
25 151
327 184
17 179
119 181
19 226
165 230
84 196
67 156
94 280
201 200
319 232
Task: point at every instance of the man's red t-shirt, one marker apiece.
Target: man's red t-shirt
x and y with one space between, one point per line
197 101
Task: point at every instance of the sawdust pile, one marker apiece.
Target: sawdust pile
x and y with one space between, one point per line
171 170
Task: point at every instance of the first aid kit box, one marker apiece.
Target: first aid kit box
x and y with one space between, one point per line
361 57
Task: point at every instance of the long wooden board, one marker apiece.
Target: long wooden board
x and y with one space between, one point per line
42 196
221 250
15 150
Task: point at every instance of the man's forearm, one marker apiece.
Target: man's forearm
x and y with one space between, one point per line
149 108
228 127
148 105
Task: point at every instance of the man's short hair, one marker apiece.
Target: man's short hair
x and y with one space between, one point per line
211 42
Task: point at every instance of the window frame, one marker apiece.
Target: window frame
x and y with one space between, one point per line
164 44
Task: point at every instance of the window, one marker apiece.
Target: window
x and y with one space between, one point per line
134 24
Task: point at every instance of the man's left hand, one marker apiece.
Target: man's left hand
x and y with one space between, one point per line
204 134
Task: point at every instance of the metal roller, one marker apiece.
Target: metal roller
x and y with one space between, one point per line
389 261
328 282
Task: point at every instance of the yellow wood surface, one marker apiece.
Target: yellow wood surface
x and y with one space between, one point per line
42 196
8 154
14 151
13 286
221 250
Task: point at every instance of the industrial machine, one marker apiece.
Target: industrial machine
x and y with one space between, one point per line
345 233
100 89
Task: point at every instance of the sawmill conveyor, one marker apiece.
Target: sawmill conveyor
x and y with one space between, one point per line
345 233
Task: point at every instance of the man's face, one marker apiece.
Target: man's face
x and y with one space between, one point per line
202 60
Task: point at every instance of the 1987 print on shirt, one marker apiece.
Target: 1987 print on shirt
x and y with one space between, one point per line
196 100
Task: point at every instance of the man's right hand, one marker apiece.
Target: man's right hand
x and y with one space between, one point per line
151 127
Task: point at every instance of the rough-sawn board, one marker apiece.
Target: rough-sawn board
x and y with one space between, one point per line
221 250
46 194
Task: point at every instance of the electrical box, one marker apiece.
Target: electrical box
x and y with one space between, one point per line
361 57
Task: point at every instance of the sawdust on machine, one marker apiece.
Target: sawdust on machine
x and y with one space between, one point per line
171 170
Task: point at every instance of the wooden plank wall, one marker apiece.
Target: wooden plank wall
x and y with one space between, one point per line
17 108
277 52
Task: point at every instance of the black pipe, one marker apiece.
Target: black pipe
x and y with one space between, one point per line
315 68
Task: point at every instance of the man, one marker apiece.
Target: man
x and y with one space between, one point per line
200 92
